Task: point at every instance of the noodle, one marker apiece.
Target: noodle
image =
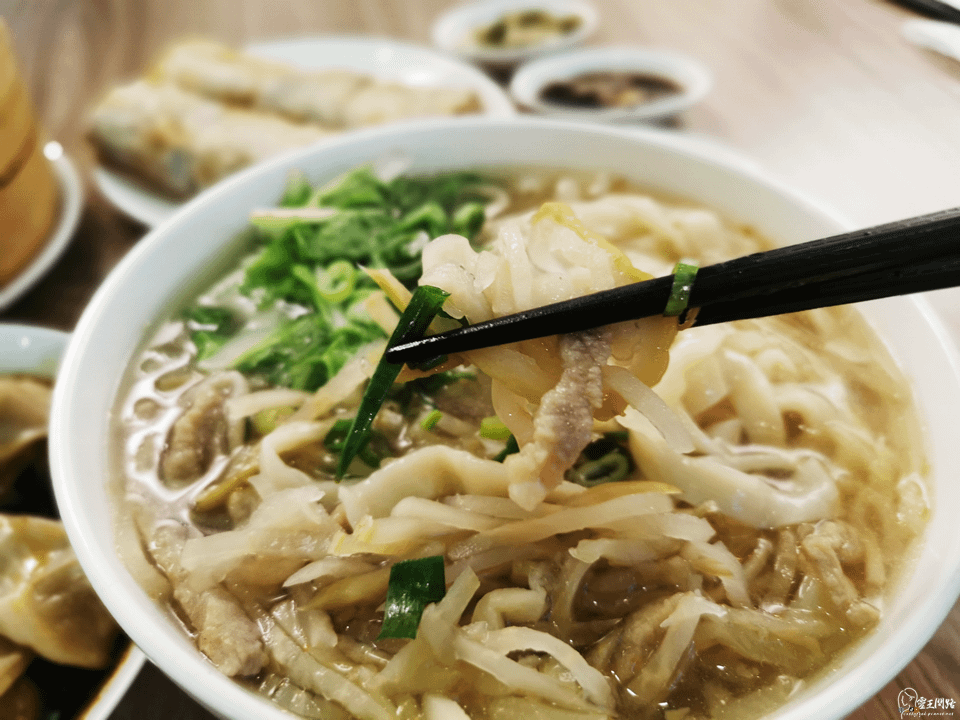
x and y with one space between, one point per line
697 550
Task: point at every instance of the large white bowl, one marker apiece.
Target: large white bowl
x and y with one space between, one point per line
174 258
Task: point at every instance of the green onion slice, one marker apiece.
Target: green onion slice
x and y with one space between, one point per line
612 467
431 420
414 584
336 282
683 276
492 428
422 309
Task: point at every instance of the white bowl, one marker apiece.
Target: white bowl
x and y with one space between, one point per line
36 351
176 257
689 75
454 30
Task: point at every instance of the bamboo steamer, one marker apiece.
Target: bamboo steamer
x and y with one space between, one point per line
28 189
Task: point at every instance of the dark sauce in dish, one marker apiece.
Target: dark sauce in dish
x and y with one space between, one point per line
609 89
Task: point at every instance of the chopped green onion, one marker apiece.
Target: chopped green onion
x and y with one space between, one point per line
266 421
492 428
431 420
305 352
469 218
509 449
429 217
612 467
414 584
423 307
306 244
336 282
683 276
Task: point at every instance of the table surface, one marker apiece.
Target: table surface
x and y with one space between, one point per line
826 95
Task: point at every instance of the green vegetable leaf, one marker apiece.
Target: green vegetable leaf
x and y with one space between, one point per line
423 307
297 192
306 352
414 584
306 266
210 328
357 189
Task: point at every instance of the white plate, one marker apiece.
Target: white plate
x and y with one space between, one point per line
71 203
37 351
380 57
693 79
453 31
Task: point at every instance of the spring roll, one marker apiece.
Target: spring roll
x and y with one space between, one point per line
336 98
181 142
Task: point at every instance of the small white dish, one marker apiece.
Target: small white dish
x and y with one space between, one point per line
32 350
692 79
110 694
383 58
71 204
454 31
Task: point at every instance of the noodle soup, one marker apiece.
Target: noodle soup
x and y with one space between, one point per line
699 550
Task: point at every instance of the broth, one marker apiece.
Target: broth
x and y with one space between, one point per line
621 560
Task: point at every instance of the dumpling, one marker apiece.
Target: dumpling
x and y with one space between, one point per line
13 661
22 702
46 602
24 408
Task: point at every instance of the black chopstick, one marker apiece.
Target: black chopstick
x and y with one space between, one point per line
932 9
933 274
907 256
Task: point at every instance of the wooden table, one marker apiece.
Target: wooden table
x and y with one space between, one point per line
826 95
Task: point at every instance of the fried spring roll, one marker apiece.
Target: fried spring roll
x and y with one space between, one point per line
336 98
182 142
